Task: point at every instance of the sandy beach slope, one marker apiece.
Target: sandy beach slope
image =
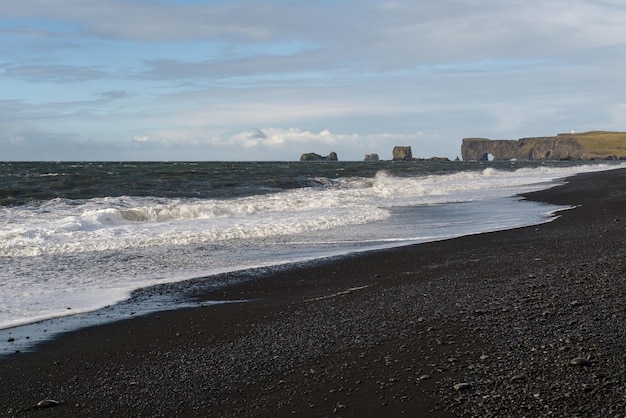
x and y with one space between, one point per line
526 322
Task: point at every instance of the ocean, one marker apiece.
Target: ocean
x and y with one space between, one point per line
77 237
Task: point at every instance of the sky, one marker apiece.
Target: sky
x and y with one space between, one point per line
268 80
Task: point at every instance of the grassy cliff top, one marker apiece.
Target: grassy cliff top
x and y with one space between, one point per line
602 142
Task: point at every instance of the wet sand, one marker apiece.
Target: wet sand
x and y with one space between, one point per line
530 320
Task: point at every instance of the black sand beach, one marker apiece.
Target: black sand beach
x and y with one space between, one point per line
526 322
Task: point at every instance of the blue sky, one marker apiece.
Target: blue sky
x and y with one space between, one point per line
269 79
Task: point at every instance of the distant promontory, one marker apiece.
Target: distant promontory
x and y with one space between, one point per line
594 145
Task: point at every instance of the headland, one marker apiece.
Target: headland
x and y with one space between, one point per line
594 145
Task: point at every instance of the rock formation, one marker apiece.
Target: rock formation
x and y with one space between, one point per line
585 146
311 156
548 148
371 157
402 154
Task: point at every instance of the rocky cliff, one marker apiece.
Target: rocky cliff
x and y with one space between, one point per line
586 146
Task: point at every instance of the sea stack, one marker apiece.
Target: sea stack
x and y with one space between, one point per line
402 154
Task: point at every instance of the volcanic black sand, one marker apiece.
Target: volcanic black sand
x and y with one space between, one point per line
526 322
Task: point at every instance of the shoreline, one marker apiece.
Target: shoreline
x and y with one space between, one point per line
162 297
359 334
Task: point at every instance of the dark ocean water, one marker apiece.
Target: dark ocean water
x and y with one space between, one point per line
23 182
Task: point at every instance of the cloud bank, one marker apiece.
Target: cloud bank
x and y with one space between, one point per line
221 80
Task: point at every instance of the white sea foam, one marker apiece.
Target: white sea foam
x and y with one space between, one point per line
87 254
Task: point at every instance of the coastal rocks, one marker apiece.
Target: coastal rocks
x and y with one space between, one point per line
311 156
596 145
545 148
401 153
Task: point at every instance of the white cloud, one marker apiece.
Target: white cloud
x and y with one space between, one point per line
271 143
266 137
170 78
277 137
366 32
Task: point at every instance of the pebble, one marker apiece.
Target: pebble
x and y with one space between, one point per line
48 403
580 361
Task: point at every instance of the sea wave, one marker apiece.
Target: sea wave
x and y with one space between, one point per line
112 223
